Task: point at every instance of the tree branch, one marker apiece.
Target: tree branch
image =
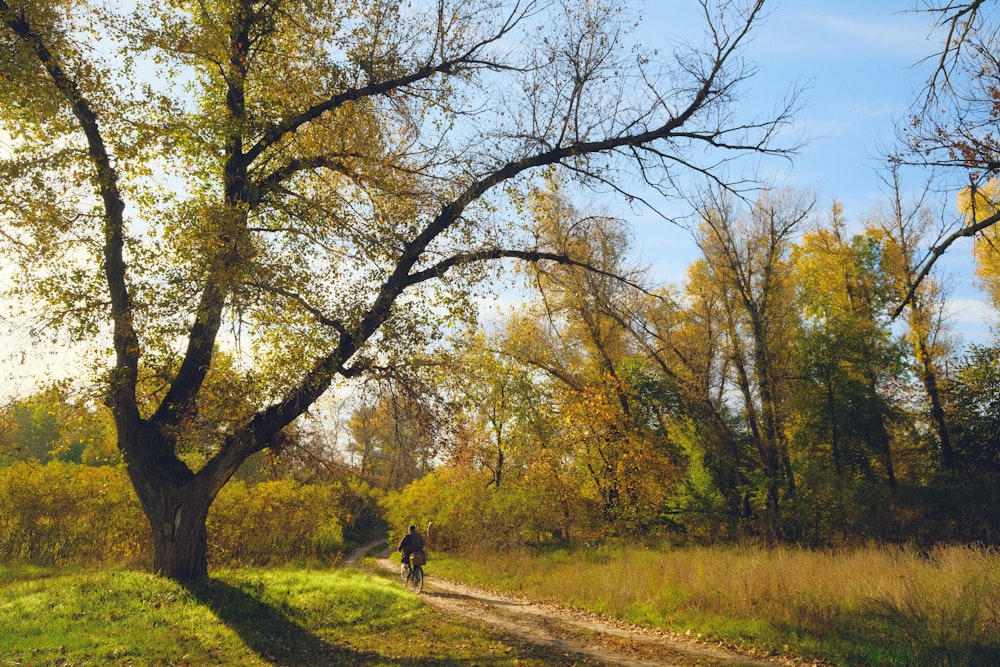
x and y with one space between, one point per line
123 398
464 61
460 259
959 19
402 275
935 252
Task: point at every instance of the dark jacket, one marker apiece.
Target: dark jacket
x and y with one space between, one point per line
410 543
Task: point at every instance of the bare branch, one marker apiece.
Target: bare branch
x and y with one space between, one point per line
934 253
464 61
958 19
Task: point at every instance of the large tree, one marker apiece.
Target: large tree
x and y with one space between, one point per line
903 227
575 334
312 185
849 355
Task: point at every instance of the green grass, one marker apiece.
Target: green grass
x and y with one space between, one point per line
872 606
240 617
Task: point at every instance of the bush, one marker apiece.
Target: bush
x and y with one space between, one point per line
64 513
462 512
61 513
273 522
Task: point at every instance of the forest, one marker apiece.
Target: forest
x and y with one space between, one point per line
269 252
772 397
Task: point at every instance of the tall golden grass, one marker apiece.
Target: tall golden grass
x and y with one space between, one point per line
875 605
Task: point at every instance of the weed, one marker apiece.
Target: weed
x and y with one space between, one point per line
865 606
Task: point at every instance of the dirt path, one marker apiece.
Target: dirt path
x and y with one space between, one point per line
573 633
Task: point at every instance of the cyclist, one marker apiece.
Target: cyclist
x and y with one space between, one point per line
411 543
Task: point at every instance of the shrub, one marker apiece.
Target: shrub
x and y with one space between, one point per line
464 512
63 513
273 522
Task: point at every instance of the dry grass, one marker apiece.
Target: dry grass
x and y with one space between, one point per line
876 605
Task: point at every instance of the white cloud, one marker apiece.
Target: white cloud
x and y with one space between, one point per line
971 310
973 319
898 33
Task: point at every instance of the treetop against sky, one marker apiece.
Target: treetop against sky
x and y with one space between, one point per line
861 64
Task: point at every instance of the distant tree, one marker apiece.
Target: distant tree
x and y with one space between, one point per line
903 229
849 357
497 403
978 204
963 503
50 425
34 427
747 267
976 394
575 334
683 334
394 439
313 179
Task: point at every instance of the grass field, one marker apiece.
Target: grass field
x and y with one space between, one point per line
242 617
874 606
870 606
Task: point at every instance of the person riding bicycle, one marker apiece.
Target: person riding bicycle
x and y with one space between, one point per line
411 543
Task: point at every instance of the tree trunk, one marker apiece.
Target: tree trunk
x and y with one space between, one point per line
176 503
177 514
929 377
180 538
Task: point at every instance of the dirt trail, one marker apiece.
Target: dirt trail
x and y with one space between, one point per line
577 634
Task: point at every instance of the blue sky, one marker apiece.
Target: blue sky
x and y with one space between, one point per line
860 64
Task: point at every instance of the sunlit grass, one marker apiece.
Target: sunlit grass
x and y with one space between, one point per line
101 618
878 605
239 617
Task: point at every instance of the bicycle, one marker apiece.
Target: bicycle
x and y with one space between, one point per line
413 572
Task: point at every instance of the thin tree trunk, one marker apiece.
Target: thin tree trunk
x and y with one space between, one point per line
928 376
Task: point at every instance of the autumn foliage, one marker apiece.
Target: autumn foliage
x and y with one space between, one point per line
771 397
61 513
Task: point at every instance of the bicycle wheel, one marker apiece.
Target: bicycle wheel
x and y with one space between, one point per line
417 579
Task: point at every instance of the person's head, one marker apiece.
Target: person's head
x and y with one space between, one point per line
412 528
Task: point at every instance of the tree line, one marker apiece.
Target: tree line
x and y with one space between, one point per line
771 396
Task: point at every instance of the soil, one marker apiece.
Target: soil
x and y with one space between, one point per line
573 636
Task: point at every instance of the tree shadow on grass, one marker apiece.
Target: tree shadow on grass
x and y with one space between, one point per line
268 632
281 641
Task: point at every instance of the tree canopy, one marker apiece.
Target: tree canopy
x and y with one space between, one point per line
314 186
